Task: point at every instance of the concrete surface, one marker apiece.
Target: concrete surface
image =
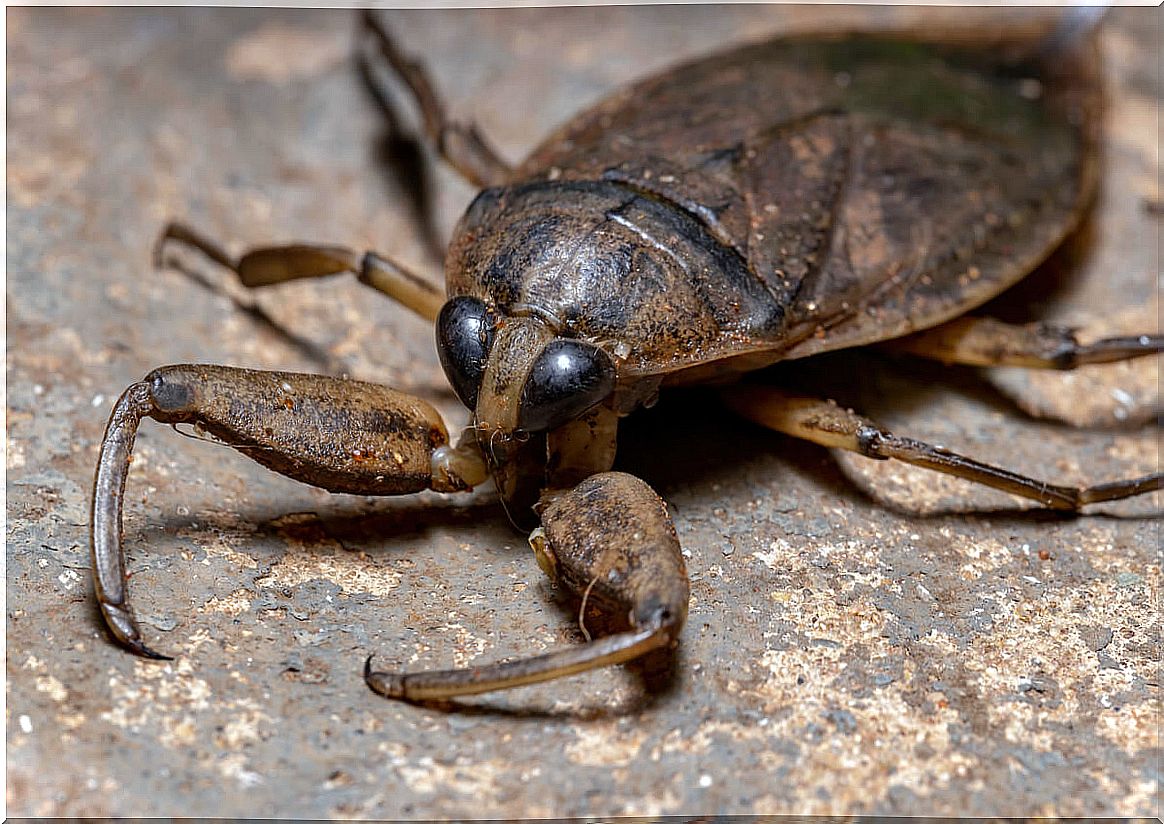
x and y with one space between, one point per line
862 638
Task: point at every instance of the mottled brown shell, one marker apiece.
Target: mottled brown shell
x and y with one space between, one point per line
791 197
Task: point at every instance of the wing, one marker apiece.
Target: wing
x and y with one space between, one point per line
873 185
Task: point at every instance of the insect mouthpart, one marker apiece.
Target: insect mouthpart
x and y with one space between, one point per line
497 445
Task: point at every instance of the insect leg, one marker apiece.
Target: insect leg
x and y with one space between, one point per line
462 147
276 264
609 538
343 436
989 342
825 423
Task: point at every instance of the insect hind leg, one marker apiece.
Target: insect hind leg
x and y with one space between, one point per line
462 146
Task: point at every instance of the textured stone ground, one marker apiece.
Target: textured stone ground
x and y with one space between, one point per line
862 639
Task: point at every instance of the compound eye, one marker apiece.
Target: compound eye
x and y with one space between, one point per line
464 330
568 377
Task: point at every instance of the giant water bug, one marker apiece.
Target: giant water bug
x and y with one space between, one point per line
769 203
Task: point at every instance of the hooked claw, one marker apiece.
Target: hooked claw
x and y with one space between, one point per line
123 626
388 684
105 532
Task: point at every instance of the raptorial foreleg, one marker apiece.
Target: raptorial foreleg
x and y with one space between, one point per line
341 435
610 541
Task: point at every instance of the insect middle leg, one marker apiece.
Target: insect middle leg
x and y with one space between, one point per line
343 436
827 424
269 265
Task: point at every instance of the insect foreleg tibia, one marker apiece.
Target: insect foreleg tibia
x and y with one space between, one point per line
277 264
462 147
988 342
343 436
825 423
609 538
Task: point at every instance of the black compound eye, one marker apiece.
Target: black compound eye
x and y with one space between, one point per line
464 332
568 377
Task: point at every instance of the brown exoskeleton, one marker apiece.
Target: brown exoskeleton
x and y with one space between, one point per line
735 212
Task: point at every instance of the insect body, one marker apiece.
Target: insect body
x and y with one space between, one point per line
768 203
